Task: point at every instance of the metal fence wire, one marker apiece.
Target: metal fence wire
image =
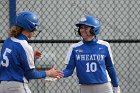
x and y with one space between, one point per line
120 25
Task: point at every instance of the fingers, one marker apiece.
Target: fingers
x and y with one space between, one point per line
37 54
59 75
54 73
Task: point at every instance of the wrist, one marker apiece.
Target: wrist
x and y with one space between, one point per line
47 73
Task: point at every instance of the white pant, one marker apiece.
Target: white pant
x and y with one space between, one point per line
14 87
97 88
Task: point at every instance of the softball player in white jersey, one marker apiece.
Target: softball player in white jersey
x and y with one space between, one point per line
17 57
92 59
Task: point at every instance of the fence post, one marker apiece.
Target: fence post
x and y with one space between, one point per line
12 12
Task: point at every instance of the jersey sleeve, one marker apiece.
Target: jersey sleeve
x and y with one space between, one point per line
110 67
70 63
27 62
34 74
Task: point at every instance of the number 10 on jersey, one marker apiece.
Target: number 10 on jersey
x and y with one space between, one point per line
91 67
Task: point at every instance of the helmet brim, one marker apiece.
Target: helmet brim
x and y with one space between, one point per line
78 25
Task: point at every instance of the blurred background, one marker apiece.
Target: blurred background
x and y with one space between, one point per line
120 26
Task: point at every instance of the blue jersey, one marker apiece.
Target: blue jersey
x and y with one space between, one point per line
17 61
93 61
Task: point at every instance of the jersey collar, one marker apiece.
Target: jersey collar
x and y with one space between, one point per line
93 41
21 37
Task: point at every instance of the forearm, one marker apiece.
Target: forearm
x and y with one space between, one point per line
113 76
34 74
67 73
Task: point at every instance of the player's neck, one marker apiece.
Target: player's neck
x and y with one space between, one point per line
89 38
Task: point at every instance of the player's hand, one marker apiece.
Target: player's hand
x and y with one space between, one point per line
54 73
116 89
37 54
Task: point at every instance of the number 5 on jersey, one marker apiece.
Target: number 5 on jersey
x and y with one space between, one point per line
5 61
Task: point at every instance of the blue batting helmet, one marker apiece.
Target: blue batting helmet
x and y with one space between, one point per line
27 20
92 22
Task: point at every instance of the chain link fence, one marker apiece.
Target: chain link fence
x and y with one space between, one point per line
120 25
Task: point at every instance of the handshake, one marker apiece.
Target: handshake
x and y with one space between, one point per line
53 74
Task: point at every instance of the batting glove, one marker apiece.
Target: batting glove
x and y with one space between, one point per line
116 89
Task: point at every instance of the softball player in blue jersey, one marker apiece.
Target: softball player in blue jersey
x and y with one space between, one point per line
17 57
92 59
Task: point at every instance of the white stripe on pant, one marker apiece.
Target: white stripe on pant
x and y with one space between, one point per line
14 87
96 88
